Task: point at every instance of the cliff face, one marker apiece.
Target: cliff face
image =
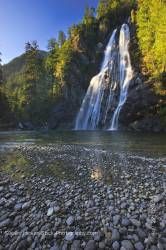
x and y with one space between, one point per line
78 60
139 113
140 110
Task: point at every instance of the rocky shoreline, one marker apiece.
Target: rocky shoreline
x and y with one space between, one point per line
77 197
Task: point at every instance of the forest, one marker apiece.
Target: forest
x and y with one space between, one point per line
43 89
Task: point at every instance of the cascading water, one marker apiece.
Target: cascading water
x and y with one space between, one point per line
115 74
126 73
89 114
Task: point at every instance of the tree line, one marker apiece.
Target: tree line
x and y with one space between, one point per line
44 80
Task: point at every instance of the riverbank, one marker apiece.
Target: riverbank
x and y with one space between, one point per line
77 197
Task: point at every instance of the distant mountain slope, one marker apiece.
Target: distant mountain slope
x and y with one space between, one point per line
16 65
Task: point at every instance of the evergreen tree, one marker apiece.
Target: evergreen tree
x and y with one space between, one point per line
89 16
50 64
61 38
28 91
151 33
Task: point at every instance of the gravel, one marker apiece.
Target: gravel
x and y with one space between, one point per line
77 197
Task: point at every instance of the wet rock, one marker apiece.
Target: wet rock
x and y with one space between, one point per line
100 45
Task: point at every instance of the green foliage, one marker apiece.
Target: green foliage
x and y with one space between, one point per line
35 81
112 8
50 66
63 61
61 38
151 32
112 13
89 16
28 91
51 59
17 65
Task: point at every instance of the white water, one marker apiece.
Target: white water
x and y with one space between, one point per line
115 71
126 72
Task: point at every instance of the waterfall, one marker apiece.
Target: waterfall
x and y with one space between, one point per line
125 73
115 74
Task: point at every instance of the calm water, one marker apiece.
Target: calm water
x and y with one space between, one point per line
151 144
60 153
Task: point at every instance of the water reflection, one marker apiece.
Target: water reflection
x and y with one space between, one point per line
116 141
74 155
97 174
18 166
102 167
15 164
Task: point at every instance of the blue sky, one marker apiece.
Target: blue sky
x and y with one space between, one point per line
27 20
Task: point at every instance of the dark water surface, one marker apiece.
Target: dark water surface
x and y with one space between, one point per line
146 143
64 154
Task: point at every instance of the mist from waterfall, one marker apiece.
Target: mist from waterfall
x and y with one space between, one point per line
115 74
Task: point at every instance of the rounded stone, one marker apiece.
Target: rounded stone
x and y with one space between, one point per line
125 222
127 245
70 221
69 236
50 211
115 235
139 246
102 245
90 245
116 245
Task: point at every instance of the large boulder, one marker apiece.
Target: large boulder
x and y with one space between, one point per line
140 105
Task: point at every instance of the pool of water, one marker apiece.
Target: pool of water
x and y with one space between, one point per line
151 144
74 155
